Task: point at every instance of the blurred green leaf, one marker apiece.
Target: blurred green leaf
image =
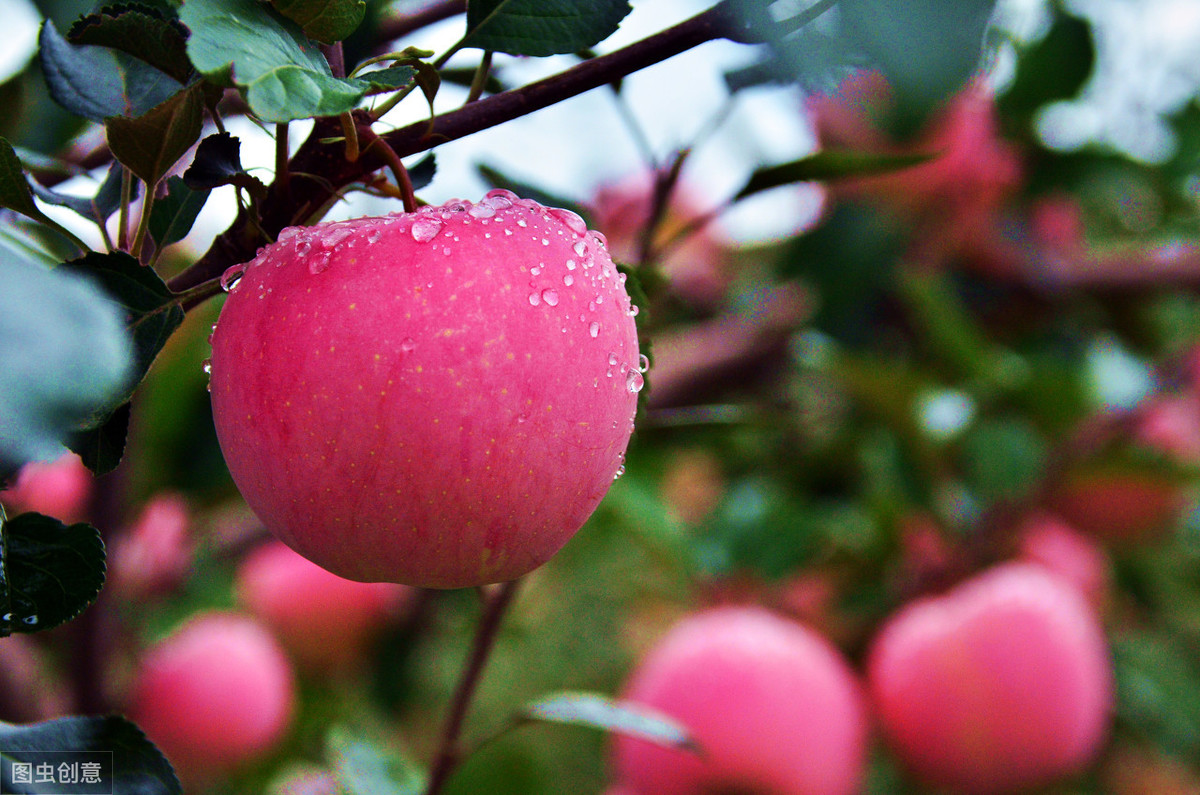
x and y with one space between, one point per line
49 572
618 717
1158 690
138 768
326 21
102 447
1050 69
541 27
828 164
173 215
15 193
1003 458
97 208
364 767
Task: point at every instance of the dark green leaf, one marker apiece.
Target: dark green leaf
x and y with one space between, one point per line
324 20
1054 68
541 27
15 193
366 768
141 31
620 717
282 72
138 768
383 80
65 358
421 173
96 82
49 572
173 215
1003 458
102 447
1158 682
152 311
151 143
828 164
218 162
99 207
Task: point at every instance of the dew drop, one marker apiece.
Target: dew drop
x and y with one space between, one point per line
633 310
643 363
568 279
620 471
206 366
570 264
374 235
521 223
446 250
545 242
536 269
408 345
521 418
231 277
534 299
580 248
336 236
622 277
550 297
500 199
600 239
570 220
425 229
303 247
594 329
612 358
482 211
634 381
319 263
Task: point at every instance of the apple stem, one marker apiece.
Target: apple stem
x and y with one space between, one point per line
407 194
485 636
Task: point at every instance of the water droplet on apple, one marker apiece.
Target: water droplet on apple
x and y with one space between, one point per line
570 220
319 263
425 229
594 329
482 211
521 223
568 279
580 248
634 381
643 363
534 299
206 366
620 471
536 269
521 418
633 310
599 239
499 199
374 235
407 345
231 277
612 358
570 264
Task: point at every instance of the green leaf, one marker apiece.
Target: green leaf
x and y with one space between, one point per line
173 215
421 173
138 768
102 447
1004 458
141 31
541 27
152 311
365 768
621 717
97 82
1054 68
15 193
49 572
326 21
283 74
218 162
828 164
99 207
383 80
65 357
151 143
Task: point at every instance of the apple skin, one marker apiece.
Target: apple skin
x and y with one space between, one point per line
1001 684
773 705
438 399
325 622
214 694
1050 542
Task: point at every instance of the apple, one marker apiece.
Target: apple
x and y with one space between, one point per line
325 622
213 695
1000 684
439 398
155 554
773 706
1121 506
1050 542
60 488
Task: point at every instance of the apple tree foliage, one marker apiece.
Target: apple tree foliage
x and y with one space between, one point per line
894 361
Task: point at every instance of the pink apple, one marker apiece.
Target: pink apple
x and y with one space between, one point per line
155 554
773 705
59 488
325 622
1171 423
439 398
999 685
1048 541
213 695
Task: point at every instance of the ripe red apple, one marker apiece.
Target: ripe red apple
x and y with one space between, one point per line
999 685
1121 506
154 555
1050 542
438 398
214 694
774 707
326 622
60 488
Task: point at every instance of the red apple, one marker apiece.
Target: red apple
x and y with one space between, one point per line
59 488
1048 541
325 622
999 685
1122 506
216 693
155 554
774 707
438 398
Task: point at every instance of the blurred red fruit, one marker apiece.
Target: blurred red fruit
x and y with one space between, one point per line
1061 549
216 693
1119 506
155 554
324 621
1000 685
59 488
773 705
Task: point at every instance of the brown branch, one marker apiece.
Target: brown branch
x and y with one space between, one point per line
280 209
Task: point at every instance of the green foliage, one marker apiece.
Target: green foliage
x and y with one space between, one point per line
326 21
365 767
598 712
138 30
173 214
149 144
49 572
537 27
827 164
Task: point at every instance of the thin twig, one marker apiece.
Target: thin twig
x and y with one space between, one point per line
403 182
448 755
